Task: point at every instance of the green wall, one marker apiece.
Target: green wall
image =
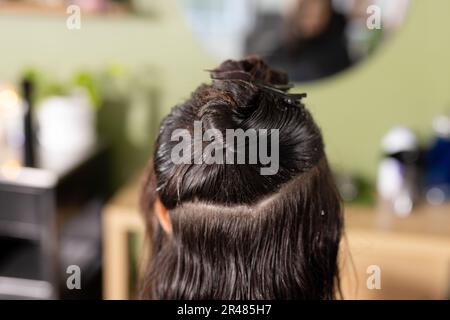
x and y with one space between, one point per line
406 82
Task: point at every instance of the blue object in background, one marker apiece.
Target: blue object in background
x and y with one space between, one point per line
437 163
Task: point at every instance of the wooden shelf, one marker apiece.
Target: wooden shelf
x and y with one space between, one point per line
23 7
425 220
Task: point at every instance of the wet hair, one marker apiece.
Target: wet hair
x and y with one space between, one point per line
237 234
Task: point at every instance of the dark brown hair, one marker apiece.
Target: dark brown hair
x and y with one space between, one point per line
238 234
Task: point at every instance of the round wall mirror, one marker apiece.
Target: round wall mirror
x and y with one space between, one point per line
309 39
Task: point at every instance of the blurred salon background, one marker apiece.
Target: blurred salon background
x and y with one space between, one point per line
84 85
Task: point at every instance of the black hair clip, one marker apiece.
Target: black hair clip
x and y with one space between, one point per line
291 98
278 89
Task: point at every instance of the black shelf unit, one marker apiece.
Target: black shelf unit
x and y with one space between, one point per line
48 225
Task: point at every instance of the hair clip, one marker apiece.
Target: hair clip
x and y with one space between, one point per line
292 98
278 89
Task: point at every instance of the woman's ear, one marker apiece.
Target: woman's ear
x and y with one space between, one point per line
163 216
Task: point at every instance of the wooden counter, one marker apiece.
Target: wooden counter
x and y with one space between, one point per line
413 253
120 217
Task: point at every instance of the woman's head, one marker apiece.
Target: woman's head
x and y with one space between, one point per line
237 231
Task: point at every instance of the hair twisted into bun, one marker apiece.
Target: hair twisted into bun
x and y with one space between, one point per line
252 70
238 234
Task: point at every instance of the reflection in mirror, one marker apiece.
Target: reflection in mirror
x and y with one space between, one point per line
310 39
